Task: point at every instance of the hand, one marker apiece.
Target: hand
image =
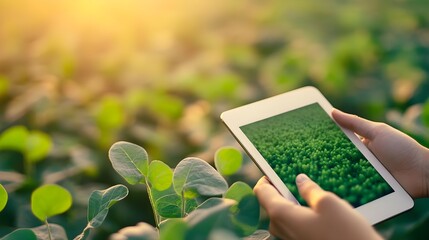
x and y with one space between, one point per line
407 160
328 216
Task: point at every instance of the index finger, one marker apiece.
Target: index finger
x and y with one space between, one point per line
267 193
361 126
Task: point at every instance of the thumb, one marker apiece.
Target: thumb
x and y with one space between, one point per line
312 193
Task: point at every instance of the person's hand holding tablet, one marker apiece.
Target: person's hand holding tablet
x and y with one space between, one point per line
294 133
329 217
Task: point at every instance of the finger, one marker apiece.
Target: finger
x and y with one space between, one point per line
285 216
267 193
310 191
362 127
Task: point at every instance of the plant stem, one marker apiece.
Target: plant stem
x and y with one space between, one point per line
155 213
49 229
183 203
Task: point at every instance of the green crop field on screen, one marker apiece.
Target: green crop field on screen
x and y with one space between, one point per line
306 140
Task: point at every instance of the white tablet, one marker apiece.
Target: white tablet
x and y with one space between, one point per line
294 133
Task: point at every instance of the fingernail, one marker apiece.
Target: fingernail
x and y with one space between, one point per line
301 178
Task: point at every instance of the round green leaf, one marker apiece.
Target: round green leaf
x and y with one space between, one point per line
49 200
38 146
238 190
160 175
14 138
3 197
194 176
246 212
101 200
168 203
212 214
129 160
228 160
173 229
246 218
20 234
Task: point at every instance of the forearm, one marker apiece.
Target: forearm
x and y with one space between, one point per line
424 159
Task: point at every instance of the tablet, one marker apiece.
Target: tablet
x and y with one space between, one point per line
294 133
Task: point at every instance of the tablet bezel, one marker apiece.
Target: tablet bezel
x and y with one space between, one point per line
375 211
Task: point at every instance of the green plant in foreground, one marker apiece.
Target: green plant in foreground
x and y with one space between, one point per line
48 200
51 199
193 201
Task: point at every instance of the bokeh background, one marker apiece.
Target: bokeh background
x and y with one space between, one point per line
159 73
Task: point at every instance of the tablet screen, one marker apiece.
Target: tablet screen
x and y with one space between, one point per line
306 140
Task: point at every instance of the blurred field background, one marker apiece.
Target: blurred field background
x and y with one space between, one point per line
159 73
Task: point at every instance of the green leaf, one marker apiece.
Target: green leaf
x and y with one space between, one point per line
101 200
246 218
238 190
20 234
38 146
246 212
173 229
160 175
49 200
129 160
3 197
14 138
228 160
56 232
142 231
194 176
212 214
168 203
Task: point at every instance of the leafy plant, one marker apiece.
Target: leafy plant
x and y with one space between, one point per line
51 199
193 201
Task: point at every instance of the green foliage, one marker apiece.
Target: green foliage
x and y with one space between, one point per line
96 72
3 197
173 229
169 204
160 175
34 145
238 190
193 177
99 203
20 234
130 161
228 160
50 200
212 213
247 211
176 197
14 138
38 146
